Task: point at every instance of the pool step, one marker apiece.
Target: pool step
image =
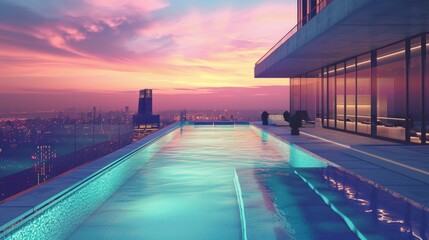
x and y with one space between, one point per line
280 205
240 206
262 221
324 203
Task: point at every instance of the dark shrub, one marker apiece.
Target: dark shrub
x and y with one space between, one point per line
264 118
286 116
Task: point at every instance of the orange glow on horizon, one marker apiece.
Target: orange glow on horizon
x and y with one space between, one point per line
107 46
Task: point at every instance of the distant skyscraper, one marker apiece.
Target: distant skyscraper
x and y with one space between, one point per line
44 155
94 113
144 121
145 102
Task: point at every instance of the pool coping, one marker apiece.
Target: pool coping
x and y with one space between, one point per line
23 207
351 172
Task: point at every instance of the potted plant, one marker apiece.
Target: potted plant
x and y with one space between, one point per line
286 116
295 124
264 118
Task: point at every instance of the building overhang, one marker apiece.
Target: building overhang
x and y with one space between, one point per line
344 29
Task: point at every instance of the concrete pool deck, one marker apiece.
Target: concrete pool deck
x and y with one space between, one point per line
401 168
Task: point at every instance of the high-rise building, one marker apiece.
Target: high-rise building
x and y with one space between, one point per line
94 113
358 66
44 155
144 121
145 102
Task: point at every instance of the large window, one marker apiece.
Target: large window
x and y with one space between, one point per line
351 95
426 92
340 96
331 96
325 97
296 93
391 94
291 104
307 9
383 93
318 82
415 91
312 82
304 93
364 94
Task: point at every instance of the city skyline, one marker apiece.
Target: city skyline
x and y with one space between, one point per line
73 53
255 98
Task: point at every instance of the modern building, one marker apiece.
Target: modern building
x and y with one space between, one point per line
43 166
144 121
359 66
145 102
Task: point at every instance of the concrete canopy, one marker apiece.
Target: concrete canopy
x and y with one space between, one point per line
344 29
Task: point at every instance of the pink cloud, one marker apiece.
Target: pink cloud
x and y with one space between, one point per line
126 5
201 34
104 45
124 30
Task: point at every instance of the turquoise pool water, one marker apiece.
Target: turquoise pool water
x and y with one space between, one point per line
217 182
186 190
324 203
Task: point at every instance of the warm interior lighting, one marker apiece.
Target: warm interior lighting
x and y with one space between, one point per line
389 118
381 57
390 55
350 66
415 48
364 62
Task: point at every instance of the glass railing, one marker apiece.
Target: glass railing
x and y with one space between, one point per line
35 151
319 7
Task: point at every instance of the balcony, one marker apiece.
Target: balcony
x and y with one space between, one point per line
316 10
343 29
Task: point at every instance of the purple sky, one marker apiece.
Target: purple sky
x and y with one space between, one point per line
195 54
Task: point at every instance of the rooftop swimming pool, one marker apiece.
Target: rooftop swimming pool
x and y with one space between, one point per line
221 182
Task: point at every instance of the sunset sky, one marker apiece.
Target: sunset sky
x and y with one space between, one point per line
194 54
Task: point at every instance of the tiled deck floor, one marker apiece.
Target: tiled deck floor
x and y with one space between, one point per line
400 167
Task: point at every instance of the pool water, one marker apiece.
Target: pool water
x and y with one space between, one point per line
324 203
186 190
224 182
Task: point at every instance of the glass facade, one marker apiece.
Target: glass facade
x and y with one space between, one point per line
415 97
351 95
383 93
324 97
425 57
363 106
391 94
304 95
307 9
331 97
304 92
311 91
340 96
316 78
295 94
